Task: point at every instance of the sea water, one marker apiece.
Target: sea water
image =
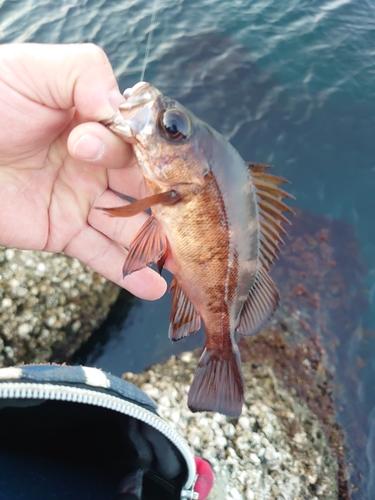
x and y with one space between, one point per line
289 82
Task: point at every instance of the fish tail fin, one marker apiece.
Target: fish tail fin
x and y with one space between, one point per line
218 383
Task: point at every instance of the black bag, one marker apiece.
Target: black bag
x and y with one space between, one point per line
80 433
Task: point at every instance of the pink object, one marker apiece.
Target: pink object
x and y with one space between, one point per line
205 480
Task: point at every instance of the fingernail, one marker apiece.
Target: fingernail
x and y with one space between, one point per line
89 148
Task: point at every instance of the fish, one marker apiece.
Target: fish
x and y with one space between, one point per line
220 218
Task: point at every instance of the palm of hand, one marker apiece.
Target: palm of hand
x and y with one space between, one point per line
48 195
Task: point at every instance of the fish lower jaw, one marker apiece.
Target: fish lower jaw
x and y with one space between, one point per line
125 133
121 127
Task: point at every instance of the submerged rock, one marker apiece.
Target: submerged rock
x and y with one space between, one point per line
49 304
320 277
301 377
276 449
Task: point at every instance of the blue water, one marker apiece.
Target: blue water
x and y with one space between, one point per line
290 82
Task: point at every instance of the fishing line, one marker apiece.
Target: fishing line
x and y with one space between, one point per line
149 38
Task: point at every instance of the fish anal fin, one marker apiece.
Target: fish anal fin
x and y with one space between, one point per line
218 383
261 304
166 198
184 318
149 245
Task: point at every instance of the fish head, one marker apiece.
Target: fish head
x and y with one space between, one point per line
172 146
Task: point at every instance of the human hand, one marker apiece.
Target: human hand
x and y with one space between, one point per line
57 162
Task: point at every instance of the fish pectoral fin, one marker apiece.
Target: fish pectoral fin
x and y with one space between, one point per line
166 198
149 245
218 383
130 199
184 318
260 305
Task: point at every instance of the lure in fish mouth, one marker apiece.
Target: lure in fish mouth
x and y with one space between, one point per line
221 220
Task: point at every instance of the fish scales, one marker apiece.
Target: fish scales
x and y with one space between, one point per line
219 219
201 242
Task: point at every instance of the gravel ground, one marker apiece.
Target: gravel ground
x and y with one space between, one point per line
276 450
49 304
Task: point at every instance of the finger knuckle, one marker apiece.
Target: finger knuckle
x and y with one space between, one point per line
95 53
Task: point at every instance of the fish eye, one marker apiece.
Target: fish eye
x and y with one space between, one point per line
174 124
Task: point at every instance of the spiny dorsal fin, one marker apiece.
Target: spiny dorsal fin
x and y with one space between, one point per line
269 178
271 189
271 214
258 167
184 318
269 197
272 199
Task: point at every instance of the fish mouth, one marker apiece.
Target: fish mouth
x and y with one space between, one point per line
135 113
140 93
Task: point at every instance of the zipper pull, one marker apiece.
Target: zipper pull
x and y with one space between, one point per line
189 495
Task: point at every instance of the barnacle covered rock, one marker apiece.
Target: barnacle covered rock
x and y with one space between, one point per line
49 304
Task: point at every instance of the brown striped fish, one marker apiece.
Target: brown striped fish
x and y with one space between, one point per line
219 218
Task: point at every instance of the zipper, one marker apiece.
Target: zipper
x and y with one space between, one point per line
31 390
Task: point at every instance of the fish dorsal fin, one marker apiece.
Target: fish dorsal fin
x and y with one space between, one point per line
270 207
184 318
260 305
258 167
149 245
263 298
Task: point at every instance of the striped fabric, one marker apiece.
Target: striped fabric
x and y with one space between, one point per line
77 376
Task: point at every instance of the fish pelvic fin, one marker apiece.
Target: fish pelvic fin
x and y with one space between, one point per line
184 318
261 304
218 383
149 245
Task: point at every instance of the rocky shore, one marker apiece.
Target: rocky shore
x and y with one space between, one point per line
287 443
49 304
277 449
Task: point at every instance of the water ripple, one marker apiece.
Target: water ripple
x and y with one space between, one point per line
334 4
